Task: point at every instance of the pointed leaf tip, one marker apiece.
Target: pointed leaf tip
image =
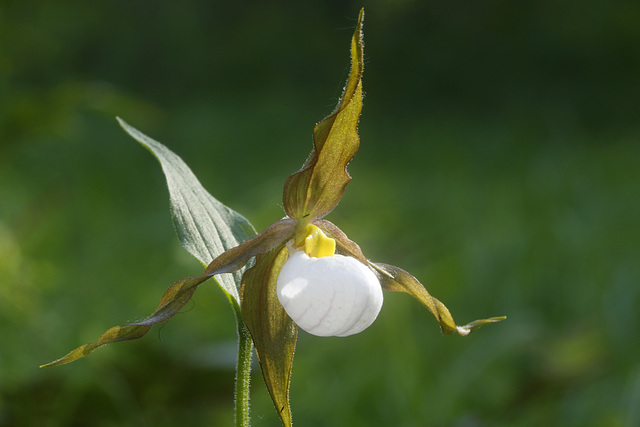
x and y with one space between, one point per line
206 227
317 188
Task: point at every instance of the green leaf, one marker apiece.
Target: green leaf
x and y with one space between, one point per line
397 280
317 188
274 333
206 228
181 292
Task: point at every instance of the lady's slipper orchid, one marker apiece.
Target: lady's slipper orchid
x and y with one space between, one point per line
305 270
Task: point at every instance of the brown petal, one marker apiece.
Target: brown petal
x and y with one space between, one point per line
178 294
397 280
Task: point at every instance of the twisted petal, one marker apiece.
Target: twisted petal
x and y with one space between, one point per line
172 301
178 294
397 280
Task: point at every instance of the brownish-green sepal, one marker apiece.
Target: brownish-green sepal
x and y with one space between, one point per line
274 333
178 294
317 188
397 280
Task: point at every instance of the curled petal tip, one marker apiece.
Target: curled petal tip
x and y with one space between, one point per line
470 327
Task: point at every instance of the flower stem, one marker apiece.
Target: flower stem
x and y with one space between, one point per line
243 373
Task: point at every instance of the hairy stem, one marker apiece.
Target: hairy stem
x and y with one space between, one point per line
243 373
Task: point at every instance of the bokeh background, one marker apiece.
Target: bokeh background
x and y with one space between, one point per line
499 163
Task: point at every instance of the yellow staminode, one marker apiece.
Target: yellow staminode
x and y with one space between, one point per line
317 244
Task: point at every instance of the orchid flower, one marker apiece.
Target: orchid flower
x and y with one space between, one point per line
305 272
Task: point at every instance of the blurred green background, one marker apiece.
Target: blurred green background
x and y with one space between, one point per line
499 163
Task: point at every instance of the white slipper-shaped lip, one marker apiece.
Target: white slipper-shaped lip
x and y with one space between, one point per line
329 296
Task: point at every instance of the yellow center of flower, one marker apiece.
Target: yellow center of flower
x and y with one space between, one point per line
315 243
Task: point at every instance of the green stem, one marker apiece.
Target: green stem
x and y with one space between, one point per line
243 372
